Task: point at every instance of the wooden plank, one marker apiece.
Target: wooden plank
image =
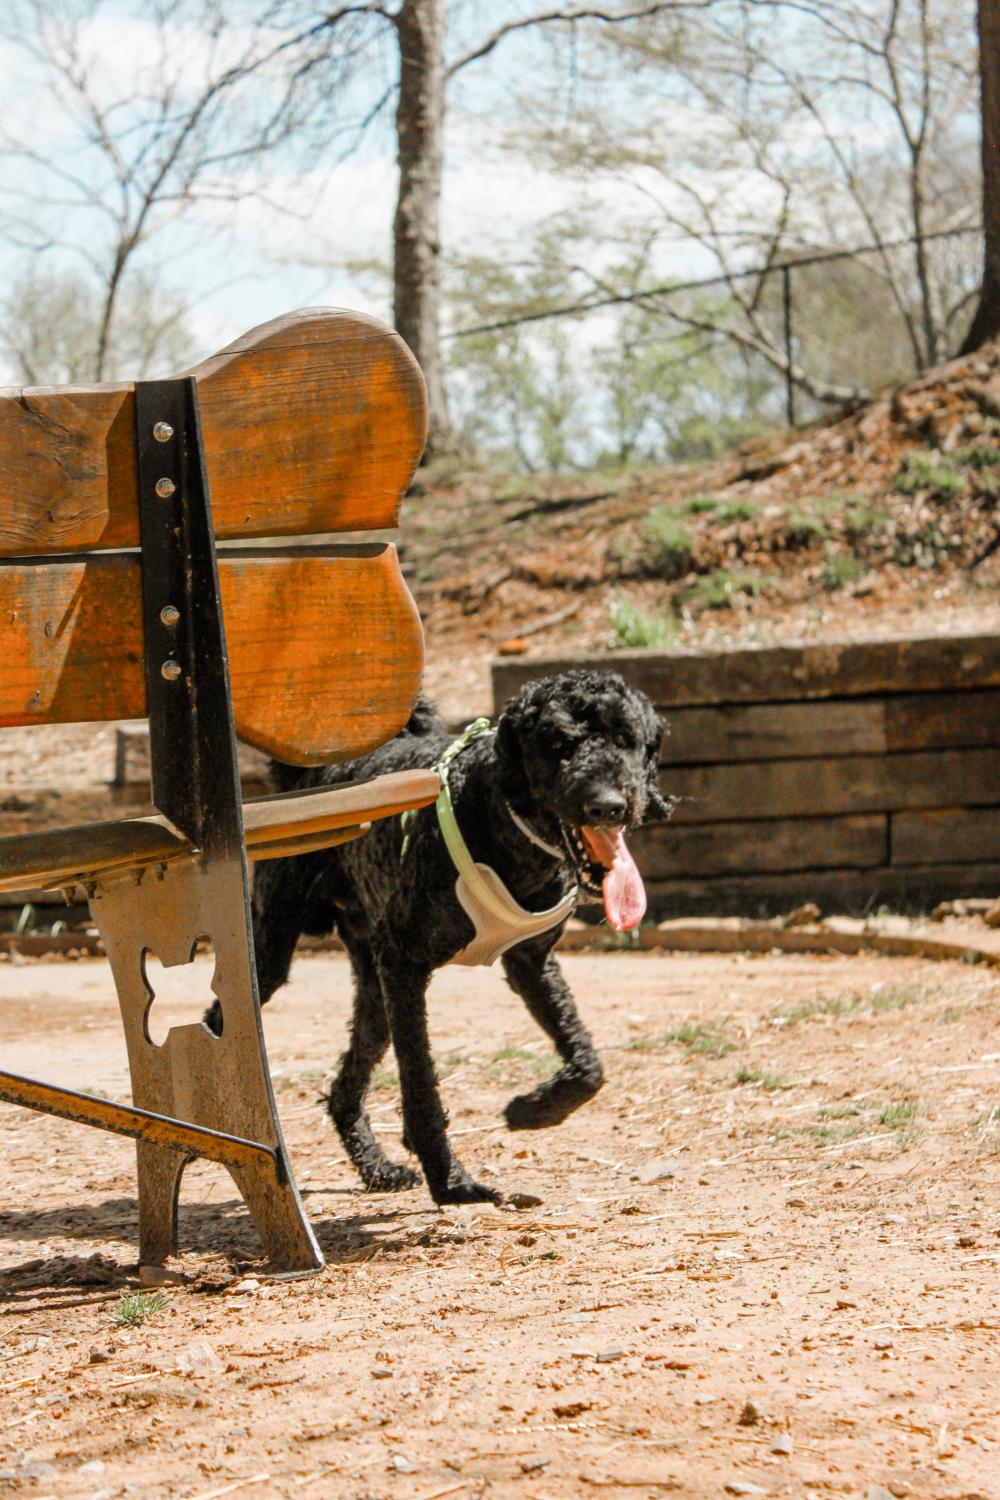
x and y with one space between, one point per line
826 787
313 423
941 720
130 785
664 850
771 731
950 835
834 726
851 891
788 673
325 649
288 820
737 935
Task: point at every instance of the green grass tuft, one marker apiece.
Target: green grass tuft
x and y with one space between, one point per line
900 997
862 517
513 1063
923 470
717 590
383 1078
820 1005
762 1080
702 1040
700 505
897 1116
976 456
805 527
840 571
666 543
735 510
632 626
136 1308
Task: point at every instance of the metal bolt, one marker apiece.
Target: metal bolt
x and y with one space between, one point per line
171 670
165 488
163 432
170 614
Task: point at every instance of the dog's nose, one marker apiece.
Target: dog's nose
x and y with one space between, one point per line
605 807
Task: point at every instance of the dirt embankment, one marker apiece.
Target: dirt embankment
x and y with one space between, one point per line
871 523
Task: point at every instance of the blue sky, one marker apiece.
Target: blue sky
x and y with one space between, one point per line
243 263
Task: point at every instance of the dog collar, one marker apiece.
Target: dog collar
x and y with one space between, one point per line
532 836
500 921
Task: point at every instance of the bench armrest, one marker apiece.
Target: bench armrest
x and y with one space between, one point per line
286 823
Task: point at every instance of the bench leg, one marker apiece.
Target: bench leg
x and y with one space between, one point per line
159 1172
220 1082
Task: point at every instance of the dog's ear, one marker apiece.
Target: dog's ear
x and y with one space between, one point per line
511 727
656 731
658 807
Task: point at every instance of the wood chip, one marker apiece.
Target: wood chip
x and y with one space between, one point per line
117 1385
449 1489
228 1489
627 1482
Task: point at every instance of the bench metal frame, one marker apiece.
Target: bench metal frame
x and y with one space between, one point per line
198 1094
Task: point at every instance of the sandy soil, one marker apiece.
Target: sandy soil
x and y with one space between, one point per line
766 1260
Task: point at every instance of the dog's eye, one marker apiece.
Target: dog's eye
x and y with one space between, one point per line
623 742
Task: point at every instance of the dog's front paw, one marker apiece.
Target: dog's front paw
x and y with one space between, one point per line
461 1188
550 1103
391 1177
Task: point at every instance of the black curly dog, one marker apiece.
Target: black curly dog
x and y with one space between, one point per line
568 751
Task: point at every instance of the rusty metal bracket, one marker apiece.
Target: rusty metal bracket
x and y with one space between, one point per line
143 1124
218 1083
214 1084
192 740
197 1094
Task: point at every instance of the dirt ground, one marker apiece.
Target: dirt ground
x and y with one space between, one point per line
765 1262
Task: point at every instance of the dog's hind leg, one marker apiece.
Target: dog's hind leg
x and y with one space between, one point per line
369 1040
533 973
404 984
279 897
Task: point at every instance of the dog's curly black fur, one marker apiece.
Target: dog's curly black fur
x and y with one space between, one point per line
580 748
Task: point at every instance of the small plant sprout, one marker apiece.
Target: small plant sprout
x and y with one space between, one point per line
136 1308
666 543
840 571
762 1080
718 590
926 470
700 505
632 626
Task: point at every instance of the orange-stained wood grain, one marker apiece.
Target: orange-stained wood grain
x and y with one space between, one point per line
313 422
291 822
325 651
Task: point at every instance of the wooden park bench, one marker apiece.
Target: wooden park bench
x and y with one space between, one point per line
115 604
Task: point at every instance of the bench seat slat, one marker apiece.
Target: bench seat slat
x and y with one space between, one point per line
287 822
325 649
312 423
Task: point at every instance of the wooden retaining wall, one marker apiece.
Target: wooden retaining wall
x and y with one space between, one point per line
843 772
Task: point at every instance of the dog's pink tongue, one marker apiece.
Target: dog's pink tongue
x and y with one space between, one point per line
624 892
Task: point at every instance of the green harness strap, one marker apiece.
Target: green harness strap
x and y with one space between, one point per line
471 732
500 922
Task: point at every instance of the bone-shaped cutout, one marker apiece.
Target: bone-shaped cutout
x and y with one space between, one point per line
178 995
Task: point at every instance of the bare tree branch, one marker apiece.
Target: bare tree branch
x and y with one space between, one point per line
569 14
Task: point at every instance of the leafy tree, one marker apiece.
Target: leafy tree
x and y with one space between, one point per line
764 134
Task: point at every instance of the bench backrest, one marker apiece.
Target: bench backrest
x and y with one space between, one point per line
312 425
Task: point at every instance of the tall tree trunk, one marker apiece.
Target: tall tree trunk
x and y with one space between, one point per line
986 323
416 229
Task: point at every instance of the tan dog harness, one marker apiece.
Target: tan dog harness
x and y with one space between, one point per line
499 920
